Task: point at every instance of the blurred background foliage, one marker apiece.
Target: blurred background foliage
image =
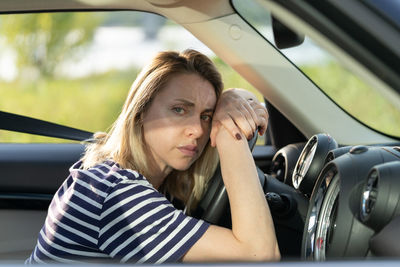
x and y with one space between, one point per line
356 97
42 40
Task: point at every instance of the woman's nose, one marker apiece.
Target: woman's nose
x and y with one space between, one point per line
194 128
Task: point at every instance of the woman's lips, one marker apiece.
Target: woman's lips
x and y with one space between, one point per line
189 150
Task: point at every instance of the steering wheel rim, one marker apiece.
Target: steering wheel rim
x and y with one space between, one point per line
214 205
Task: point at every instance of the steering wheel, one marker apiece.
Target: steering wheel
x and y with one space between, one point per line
214 206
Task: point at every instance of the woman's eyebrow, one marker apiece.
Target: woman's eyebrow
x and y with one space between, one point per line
191 104
186 102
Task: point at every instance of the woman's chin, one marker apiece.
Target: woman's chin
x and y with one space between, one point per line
182 166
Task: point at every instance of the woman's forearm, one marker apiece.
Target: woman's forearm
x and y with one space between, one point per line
252 224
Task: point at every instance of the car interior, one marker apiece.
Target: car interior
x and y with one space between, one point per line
329 163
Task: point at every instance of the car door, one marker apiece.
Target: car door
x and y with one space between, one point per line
30 175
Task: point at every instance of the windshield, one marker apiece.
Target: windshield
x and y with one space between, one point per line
351 93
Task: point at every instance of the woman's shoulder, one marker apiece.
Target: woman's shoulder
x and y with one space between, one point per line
109 173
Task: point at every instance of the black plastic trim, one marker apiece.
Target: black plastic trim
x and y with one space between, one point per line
25 201
23 124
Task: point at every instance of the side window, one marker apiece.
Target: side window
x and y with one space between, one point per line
76 68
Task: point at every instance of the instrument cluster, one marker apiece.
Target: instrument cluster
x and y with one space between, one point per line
353 195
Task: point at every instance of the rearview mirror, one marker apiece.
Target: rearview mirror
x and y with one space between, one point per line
284 36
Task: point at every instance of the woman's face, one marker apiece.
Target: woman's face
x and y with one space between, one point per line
177 124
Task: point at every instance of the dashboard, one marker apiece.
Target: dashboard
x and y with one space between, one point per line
346 198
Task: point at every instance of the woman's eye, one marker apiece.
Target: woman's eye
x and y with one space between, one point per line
206 118
179 110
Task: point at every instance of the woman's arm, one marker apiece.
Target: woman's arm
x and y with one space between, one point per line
252 237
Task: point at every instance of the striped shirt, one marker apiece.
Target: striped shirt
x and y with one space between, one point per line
106 213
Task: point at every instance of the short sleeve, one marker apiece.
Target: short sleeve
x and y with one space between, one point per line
138 224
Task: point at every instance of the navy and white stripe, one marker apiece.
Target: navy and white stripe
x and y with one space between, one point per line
111 213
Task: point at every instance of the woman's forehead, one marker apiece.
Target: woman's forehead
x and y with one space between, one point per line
190 87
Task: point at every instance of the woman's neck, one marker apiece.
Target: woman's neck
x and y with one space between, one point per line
157 175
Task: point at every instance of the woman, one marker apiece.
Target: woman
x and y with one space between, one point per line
112 205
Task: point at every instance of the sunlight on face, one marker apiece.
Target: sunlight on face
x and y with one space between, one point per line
177 124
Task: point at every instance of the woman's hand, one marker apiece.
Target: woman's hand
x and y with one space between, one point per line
239 111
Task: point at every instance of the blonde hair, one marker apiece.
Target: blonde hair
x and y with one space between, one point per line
124 143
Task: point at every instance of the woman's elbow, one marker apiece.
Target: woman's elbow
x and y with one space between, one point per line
277 254
274 256
267 254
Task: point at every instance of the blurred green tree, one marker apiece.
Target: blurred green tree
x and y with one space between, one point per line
42 40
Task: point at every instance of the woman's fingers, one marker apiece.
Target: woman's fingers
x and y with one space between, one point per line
262 117
253 117
238 119
252 112
244 121
239 112
226 121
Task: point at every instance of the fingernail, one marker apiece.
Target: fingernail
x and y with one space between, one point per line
238 137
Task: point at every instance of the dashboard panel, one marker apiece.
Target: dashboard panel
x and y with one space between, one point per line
352 193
